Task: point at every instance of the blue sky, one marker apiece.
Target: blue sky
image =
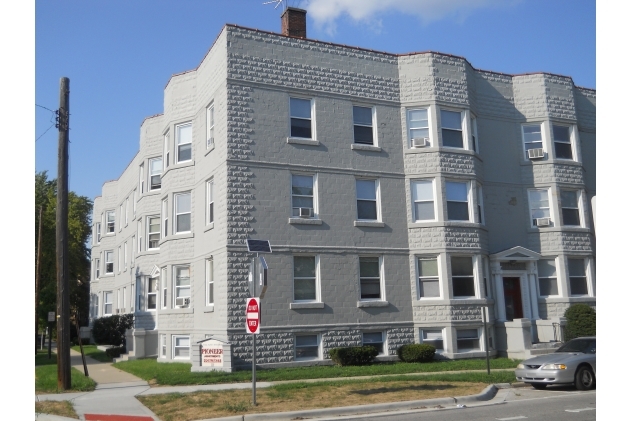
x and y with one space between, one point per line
119 54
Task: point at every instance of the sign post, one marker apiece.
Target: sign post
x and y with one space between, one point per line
51 320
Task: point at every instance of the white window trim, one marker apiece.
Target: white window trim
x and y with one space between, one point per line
479 195
106 303
177 144
550 207
312 119
164 221
430 120
132 254
480 340
543 139
556 265
580 196
164 303
438 259
377 199
175 286
210 201
382 286
210 281
319 342
373 112
125 256
98 232
473 133
135 199
97 268
318 295
430 342
120 218
118 257
464 128
210 125
476 277
141 178
154 293
176 214
139 229
434 196
127 211
587 262
152 174
166 152
573 141
149 232
315 195
384 339
470 208
163 345
173 343
107 261
107 231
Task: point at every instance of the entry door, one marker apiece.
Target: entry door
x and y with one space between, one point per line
512 298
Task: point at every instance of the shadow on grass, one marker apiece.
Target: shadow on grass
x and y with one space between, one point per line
416 388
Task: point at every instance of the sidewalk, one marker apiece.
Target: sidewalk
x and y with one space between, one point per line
114 398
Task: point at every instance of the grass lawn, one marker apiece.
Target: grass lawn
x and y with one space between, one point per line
302 396
46 376
92 352
173 374
61 408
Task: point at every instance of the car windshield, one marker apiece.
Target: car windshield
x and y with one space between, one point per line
579 345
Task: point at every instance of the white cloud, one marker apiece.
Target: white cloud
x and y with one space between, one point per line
325 13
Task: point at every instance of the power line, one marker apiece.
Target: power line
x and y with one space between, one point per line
51 126
41 106
54 113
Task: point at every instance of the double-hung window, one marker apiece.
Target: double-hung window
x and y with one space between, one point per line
423 198
539 207
531 134
418 124
468 340
547 271
462 277
302 195
98 232
125 255
134 203
210 202
108 296
118 257
182 212
474 134
97 268
165 217
428 280
120 215
457 194
184 136
363 118
139 236
578 277
153 232
370 278
433 337
569 207
131 250
155 172
374 339
110 217
301 118
367 200
307 347
141 180
305 278
109 262
451 128
152 293
163 345
480 205
167 150
182 285
163 282
181 347
562 137
210 283
126 211
210 125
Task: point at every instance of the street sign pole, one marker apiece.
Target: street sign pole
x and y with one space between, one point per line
254 340
486 340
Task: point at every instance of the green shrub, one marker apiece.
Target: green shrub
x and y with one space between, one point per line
110 330
115 351
581 321
416 353
355 355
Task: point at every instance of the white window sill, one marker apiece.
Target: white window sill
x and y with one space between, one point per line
175 166
210 308
373 303
362 147
181 236
209 226
303 141
453 301
209 149
299 306
374 224
304 221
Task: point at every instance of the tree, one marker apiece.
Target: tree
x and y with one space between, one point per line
79 230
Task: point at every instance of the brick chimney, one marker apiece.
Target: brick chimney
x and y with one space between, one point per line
294 23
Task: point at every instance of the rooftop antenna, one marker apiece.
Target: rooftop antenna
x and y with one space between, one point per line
277 2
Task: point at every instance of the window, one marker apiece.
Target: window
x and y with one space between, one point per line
300 115
165 217
163 281
451 123
182 212
182 285
118 300
126 211
120 215
163 346
98 232
480 207
134 203
108 296
167 149
184 135
141 182
418 124
423 198
132 298
97 268
118 258
462 278
96 305
547 277
457 201
428 280
363 125
124 297
474 134
125 255
109 261
374 339
210 125
433 337
562 142
110 218
302 195
367 206
153 232
139 236
133 241
370 278
152 293
539 205
307 347
210 283
531 134
578 277
305 278
155 172
210 199
468 340
181 347
569 207
485 273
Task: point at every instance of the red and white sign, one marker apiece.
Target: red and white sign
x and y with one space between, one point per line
212 354
253 316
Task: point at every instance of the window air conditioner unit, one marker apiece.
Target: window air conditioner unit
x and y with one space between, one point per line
543 222
535 153
182 302
420 142
305 212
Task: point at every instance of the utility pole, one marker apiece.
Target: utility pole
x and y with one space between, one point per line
39 254
63 284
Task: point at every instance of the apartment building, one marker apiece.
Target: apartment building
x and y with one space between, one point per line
407 198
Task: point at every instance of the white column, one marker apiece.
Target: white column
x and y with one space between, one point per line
500 305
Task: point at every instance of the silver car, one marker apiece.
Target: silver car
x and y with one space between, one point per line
573 363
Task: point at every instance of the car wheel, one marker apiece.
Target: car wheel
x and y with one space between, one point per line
584 378
539 386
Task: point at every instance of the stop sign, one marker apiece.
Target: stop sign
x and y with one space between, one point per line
253 316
